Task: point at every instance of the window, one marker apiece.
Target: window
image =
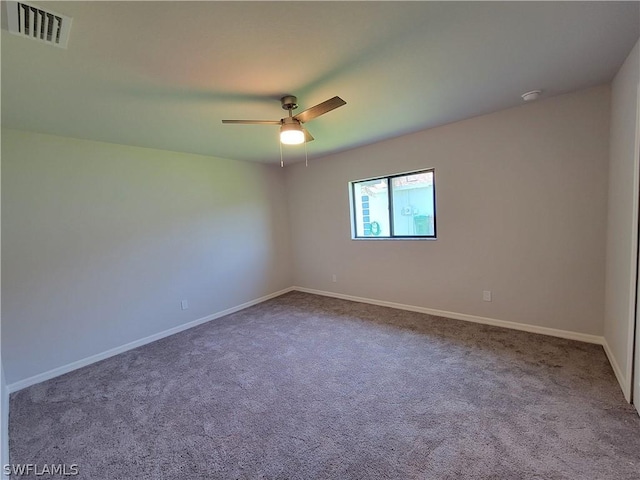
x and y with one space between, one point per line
397 206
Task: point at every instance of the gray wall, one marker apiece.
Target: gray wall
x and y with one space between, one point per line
521 200
4 421
622 226
4 398
101 242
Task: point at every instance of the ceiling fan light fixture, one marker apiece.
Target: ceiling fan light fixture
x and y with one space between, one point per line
291 130
291 134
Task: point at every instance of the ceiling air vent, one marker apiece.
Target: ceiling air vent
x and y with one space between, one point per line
38 23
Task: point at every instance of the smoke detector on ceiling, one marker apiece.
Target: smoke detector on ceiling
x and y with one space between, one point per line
531 96
37 23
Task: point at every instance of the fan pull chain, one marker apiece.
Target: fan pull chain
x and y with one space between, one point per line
281 161
306 159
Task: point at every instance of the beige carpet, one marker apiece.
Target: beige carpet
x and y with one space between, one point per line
307 387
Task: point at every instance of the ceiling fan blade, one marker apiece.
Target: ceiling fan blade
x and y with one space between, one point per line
307 136
320 109
254 122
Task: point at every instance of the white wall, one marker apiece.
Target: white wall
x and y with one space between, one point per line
101 242
521 210
622 227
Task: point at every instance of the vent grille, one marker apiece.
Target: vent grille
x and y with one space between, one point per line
39 24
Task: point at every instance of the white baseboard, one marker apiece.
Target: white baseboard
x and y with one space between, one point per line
27 382
625 385
553 332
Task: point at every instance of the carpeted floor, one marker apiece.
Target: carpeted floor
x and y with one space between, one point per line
308 387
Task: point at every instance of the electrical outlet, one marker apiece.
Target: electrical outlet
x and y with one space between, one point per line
184 304
486 295
334 278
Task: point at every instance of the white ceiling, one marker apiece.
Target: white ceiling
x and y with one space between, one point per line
164 74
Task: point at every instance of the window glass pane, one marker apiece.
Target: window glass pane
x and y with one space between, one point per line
413 205
371 202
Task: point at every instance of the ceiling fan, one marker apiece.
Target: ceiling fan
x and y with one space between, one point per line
291 130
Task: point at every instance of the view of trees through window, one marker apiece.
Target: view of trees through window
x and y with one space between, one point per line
400 205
